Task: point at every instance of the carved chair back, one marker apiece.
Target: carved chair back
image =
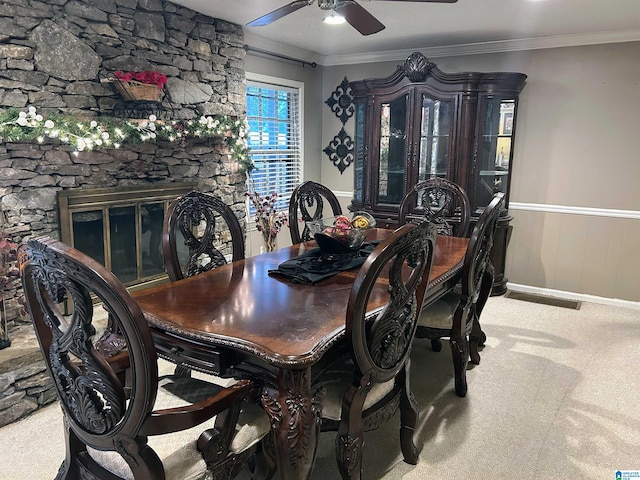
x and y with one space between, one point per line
439 201
457 315
307 203
381 341
108 395
365 391
58 282
477 261
200 233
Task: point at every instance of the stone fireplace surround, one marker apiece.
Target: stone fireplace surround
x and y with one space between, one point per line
52 55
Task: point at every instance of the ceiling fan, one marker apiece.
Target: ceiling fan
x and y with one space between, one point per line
353 13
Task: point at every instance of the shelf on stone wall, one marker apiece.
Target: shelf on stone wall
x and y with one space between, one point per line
139 109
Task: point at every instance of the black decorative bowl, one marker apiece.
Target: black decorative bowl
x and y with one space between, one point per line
341 234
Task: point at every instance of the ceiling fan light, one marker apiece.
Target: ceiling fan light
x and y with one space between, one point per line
334 19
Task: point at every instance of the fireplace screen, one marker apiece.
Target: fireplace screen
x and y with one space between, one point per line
120 228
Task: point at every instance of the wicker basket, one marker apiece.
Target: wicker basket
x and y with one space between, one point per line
133 90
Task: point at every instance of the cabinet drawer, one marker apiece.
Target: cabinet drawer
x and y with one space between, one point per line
193 355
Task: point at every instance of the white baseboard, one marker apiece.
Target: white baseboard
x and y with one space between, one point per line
616 302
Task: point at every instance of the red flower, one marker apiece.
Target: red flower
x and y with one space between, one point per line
146 76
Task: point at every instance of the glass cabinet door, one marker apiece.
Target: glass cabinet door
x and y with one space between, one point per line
435 132
392 150
494 149
360 152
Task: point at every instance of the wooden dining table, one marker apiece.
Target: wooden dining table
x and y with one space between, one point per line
240 321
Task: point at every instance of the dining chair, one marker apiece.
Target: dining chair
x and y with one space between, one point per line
122 420
307 203
457 314
200 233
441 202
370 380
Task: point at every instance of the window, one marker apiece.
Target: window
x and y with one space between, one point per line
275 136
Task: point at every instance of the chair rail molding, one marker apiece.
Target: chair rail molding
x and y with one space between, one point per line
343 194
567 209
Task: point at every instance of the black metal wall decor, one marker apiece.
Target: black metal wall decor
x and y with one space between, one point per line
341 101
340 150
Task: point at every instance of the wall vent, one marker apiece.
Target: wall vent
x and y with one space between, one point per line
544 299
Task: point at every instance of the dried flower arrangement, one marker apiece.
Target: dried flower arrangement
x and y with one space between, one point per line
269 220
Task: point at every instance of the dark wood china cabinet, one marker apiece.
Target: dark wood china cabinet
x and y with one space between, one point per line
420 122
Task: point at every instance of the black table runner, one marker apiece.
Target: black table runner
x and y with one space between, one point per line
314 266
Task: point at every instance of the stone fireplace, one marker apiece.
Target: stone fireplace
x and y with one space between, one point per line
53 55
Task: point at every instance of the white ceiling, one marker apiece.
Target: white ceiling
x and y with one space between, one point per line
410 25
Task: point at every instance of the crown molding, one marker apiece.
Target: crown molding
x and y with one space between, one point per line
265 44
501 46
486 47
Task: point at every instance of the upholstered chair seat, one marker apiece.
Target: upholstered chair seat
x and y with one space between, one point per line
337 383
178 451
439 315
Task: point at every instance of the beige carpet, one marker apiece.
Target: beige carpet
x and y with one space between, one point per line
556 396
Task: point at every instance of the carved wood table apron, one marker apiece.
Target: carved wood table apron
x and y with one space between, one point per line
236 320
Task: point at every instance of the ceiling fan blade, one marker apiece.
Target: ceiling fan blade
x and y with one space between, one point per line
359 18
279 13
432 1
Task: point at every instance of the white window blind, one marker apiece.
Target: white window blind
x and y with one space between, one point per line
273 113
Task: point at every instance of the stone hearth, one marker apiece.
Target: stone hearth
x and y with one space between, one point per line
25 384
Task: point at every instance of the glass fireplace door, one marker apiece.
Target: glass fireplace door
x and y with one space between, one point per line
120 227
125 239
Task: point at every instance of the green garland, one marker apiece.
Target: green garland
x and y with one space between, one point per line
108 132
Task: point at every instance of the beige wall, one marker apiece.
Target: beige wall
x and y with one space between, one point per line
575 191
587 254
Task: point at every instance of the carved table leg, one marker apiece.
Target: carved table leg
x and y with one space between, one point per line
294 419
